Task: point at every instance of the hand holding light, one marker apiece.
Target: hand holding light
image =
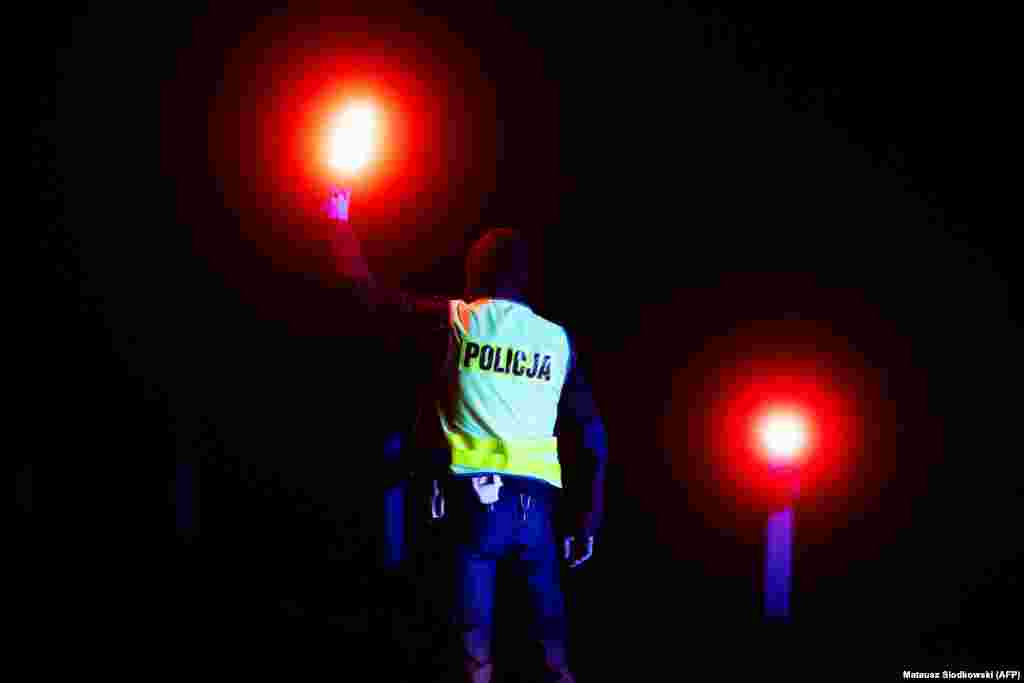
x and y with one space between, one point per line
339 199
578 550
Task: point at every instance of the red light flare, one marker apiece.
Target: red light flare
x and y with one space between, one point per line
354 134
759 420
278 96
783 434
428 136
352 139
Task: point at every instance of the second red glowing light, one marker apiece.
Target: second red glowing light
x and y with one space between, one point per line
783 435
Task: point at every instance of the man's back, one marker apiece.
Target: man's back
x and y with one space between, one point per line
503 381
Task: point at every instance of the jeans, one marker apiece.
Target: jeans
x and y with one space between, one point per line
516 532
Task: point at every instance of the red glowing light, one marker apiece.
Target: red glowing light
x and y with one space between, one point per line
763 418
783 434
352 139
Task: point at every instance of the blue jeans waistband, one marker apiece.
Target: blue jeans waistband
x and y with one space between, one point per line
512 485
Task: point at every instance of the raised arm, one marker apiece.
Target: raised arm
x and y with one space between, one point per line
416 312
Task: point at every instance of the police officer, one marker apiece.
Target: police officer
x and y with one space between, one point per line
524 444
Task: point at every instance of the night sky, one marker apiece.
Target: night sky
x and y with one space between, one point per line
712 192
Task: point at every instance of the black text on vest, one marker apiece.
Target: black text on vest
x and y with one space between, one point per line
505 360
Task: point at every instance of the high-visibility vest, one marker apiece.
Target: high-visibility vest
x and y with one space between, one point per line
507 366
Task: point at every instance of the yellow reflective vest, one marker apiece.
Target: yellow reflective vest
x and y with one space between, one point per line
503 383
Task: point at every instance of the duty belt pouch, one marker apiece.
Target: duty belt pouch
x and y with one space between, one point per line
487 488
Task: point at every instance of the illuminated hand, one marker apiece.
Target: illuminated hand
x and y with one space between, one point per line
339 199
578 552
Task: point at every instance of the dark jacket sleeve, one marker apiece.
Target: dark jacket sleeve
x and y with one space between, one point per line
414 314
583 452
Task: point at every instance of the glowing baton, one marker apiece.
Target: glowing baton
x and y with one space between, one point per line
784 436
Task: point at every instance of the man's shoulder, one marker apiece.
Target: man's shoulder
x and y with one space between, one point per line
463 311
553 329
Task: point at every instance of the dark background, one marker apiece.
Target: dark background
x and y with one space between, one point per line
710 187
